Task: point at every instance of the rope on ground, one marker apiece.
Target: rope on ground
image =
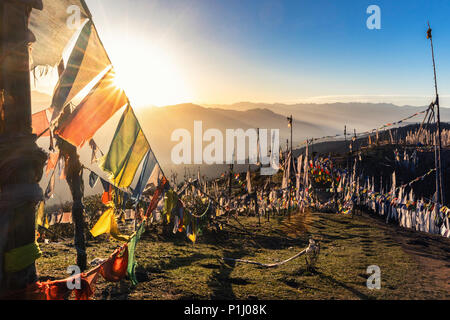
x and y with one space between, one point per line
312 248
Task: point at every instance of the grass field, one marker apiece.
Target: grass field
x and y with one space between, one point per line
413 265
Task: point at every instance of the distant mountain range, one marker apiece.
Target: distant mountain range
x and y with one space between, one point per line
310 120
359 116
159 123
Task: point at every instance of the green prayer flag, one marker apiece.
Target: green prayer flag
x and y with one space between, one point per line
19 258
131 250
127 150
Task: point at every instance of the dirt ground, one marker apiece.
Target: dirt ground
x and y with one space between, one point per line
413 265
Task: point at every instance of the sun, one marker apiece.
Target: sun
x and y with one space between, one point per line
148 75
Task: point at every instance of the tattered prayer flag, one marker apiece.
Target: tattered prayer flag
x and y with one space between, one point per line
93 178
87 60
103 101
40 124
127 150
50 187
94 148
155 177
52 162
51 30
147 169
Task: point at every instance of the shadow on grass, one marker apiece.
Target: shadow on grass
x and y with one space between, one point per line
220 282
117 291
177 262
332 280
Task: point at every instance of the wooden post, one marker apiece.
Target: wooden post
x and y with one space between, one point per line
440 181
230 180
292 164
74 177
21 160
440 196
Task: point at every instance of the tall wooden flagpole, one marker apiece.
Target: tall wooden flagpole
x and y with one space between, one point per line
291 160
438 140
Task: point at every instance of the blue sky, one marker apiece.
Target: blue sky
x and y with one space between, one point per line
216 51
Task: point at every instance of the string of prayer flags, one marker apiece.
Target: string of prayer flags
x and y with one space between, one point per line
102 102
366 132
126 151
113 269
87 60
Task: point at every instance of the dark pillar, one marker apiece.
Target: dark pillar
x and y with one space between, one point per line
21 161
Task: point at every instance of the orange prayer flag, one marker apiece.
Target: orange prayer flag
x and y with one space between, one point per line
87 60
104 100
51 162
115 268
54 290
88 281
40 123
107 196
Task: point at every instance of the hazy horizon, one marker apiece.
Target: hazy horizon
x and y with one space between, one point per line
316 100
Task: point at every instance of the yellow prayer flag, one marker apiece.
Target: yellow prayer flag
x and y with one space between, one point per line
108 224
103 224
40 215
46 224
192 237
